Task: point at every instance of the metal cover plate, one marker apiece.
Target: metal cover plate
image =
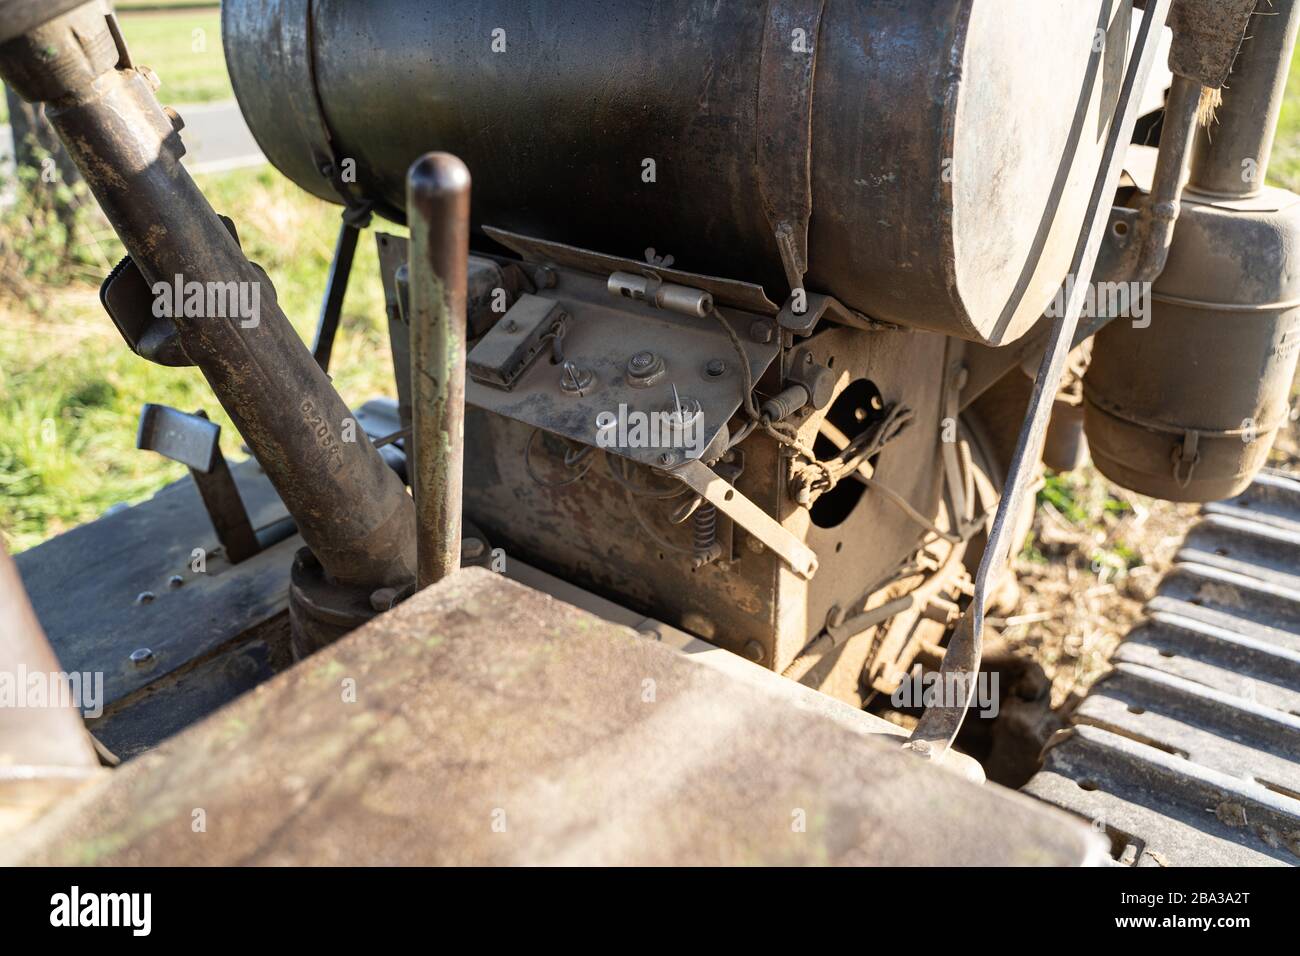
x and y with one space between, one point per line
602 334
495 725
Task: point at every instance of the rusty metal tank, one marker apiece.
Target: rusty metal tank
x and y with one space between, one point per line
934 150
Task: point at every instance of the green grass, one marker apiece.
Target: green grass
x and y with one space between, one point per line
1285 167
183 48
72 391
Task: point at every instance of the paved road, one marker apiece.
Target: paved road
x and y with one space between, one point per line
216 139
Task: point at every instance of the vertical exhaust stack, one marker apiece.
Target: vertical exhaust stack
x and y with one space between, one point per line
352 511
1184 403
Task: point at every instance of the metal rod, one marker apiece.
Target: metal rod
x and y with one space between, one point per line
938 727
437 203
352 510
345 249
1161 210
1232 155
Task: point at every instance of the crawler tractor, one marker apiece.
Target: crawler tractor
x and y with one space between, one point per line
729 344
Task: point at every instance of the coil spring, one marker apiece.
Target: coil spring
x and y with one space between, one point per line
704 526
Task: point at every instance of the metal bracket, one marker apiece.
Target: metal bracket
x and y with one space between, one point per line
296 39
714 489
819 306
128 298
194 441
784 147
938 726
331 311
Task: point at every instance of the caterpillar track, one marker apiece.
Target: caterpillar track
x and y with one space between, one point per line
1188 754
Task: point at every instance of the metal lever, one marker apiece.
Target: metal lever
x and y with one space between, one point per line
938 727
718 492
437 206
194 441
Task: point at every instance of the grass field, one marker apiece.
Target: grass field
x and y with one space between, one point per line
70 391
183 47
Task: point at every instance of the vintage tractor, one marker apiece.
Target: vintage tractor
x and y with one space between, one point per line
721 396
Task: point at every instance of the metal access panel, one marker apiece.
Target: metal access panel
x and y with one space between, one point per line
596 379
494 725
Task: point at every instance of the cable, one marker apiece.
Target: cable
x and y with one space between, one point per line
661 494
528 466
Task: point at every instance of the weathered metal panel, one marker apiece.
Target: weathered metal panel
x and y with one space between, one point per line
495 725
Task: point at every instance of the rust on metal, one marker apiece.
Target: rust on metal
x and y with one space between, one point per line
438 213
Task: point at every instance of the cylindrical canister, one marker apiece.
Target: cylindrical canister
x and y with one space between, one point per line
946 146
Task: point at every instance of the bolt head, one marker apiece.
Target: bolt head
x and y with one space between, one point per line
921 746
383 599
761 331
175 581
472 548
643 360
145 597
715 368
141 656
754 651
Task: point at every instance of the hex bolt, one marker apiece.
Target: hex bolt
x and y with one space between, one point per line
642 360
141 657
761 331
383 599
715 368
177 121
472 548
754 652
921 746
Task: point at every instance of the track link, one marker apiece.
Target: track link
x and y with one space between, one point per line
1188 753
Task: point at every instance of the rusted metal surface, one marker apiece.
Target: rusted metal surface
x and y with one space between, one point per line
195 442
585 530
1188 754
494 725
726 292
938 727
786 70
1208 34
438 199
601 333
19 16
155 577
351 509
1158 211
662 145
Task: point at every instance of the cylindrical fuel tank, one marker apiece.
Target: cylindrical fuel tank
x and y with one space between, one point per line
1186 407
951 143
